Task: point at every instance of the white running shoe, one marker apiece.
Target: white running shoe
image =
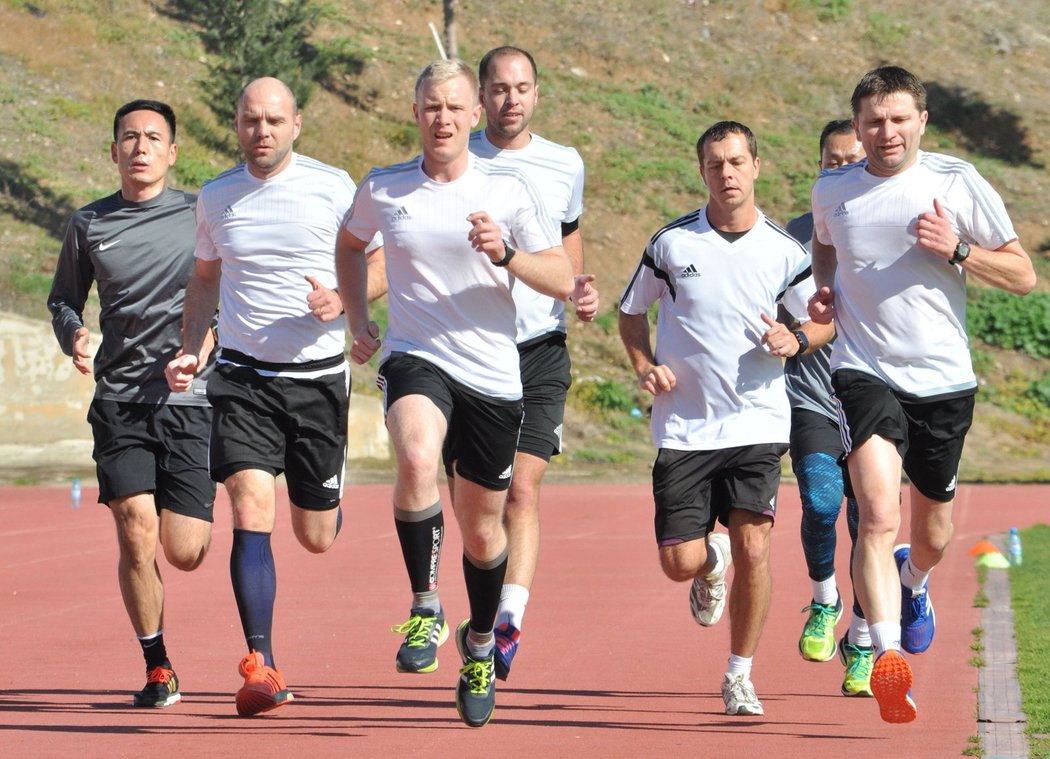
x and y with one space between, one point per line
739 696
707 596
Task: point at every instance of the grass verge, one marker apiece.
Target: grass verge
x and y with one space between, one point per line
1028 591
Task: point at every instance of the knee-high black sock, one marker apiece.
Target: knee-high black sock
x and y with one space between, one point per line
484 582
255 588
421 534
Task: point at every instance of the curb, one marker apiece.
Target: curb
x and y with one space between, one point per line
1000 719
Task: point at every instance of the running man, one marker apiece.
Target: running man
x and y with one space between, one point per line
265 234
509 95
150 444
894 237
817 460
720 413
460 233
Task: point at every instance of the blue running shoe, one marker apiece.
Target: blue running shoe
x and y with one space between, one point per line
476 687
507 639
918 621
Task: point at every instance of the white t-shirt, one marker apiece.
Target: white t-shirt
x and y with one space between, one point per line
730 389
557 172
269 234
900 309
447 303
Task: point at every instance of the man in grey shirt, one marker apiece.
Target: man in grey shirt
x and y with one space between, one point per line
151 445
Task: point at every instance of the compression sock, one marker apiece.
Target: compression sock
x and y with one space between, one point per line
820 488
255 588
484 580
421 534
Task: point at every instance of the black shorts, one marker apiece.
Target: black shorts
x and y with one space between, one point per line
545 378
288 424
814 433
482 431
163 450
693 489
929 434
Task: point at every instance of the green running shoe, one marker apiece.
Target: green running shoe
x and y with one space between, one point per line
818 634
858 661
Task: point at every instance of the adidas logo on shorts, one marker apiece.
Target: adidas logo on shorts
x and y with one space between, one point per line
332 483
507 472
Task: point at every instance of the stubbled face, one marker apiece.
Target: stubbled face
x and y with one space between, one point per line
729 171
446 112
509 98
143 152
890 130
840 150
267 125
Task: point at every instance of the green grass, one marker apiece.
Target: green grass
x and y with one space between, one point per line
1032 630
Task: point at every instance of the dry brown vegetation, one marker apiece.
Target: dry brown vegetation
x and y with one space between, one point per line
631 84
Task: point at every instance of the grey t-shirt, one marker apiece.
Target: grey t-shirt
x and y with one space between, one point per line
140 255
809 377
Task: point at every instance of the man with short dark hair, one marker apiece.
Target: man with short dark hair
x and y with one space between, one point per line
266 230
150 444
894 237
720 413
509 90
816 458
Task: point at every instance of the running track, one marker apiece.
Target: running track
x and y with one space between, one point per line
611 665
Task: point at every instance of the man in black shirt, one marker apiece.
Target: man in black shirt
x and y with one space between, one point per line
151 445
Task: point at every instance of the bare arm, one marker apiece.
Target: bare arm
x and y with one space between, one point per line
634 332
351 268
547 271
584 293
1008 267
198 308
822 304
376 274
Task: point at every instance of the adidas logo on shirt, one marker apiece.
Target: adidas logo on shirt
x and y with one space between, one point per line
400 215
690 271
332 483
227 213
841 210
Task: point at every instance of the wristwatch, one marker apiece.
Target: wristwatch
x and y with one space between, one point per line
506 256
962 252
803 341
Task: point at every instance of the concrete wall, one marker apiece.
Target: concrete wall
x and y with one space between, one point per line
43 407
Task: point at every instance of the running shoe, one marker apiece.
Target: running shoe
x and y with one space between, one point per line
858 661
424 631
264 688
739 696
476 687
918 621
508 637
891 686
818 634
707 596
161 689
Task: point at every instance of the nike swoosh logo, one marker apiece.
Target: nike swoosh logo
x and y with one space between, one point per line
107 245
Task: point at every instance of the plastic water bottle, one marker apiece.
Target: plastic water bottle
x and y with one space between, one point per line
1013 548
74 494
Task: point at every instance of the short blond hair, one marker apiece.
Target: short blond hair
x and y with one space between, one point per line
441 71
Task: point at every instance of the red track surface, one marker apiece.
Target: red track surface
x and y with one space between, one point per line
611 662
